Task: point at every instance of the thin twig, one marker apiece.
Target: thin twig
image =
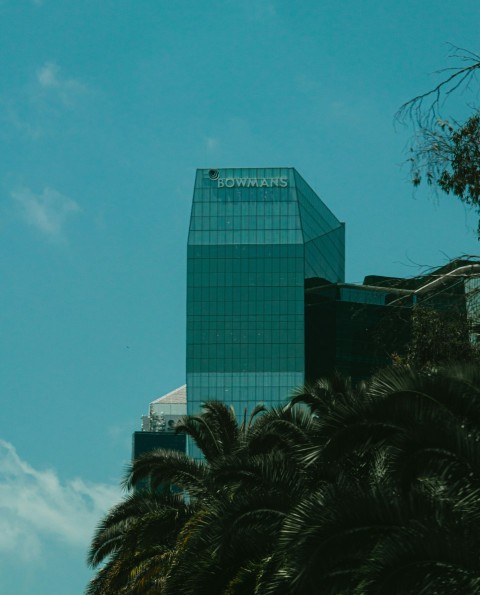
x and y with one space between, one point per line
413 109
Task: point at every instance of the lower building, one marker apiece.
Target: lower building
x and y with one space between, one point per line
158 427
350 329
358 329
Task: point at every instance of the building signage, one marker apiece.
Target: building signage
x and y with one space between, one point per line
252 182
277 182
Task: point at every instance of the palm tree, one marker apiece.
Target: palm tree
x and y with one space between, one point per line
369 489
375 541
401 512
234 533
136 539
251 483
246 473
407 419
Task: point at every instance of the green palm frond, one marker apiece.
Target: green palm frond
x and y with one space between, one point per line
135 542
322 394
280 428
366 490
221 418
341 539
247 423
168 468
215 431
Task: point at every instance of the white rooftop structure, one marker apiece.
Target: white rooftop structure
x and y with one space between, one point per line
175 397
165 411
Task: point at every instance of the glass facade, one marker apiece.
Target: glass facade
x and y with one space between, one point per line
255 236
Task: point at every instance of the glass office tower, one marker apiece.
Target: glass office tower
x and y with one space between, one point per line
255 236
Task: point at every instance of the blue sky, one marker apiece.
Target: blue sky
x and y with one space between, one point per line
106 110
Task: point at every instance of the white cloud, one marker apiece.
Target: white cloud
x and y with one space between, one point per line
47 75
38 107
47 212
67 89
36 506
10 114
211 143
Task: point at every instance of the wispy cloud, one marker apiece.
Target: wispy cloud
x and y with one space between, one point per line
211 143
36 507
50 80
38 107
11 115
47 212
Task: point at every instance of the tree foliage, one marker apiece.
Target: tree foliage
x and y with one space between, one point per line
439 338
364 490
445 153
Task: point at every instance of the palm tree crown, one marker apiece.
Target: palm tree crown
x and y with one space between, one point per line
364 490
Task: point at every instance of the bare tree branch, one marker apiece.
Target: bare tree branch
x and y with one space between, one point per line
416 110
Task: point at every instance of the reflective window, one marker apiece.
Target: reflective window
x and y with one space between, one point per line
255 236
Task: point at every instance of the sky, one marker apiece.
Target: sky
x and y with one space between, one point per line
106 110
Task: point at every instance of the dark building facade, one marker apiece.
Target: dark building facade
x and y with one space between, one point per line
358 328
349 329
143 442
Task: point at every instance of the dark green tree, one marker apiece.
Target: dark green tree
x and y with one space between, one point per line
400 512
226 546
445 152
372 541
233 504
134 543
362 490
439 338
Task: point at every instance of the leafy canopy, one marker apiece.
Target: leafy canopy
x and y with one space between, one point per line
445 152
